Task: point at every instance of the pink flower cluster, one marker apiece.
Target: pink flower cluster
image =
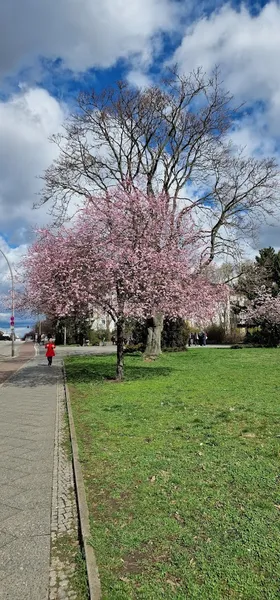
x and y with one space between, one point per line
126 253
264 309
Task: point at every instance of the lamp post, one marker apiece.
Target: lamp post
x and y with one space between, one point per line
12 322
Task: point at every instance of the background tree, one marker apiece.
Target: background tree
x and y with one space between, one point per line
259 284
268 262
263 273
126 255
264 312
171 138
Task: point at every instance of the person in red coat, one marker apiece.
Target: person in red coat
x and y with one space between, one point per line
50 351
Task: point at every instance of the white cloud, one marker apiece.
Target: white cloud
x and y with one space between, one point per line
247 49
251 133
83 34
14 256
138 79
26 121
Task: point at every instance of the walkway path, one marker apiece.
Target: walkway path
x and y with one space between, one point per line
28 403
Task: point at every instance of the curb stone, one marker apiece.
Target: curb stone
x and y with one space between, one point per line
91 564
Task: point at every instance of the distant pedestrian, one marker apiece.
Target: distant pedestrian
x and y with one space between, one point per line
50 351
204 338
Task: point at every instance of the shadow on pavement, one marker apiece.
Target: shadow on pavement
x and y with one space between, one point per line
35 376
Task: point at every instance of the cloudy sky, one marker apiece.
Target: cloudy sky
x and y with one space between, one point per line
51 49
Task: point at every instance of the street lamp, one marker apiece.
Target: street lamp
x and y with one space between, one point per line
13 303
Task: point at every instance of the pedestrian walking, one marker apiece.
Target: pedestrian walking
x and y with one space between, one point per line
50 351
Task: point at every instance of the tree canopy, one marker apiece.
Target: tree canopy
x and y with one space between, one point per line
127 254
173 137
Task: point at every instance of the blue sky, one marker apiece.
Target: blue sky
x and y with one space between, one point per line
52 49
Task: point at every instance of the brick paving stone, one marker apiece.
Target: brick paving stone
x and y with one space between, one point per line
64 521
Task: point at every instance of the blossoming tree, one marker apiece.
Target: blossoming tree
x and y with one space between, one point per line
264 312
126 253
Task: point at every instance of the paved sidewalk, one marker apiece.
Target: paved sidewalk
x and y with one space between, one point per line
28 404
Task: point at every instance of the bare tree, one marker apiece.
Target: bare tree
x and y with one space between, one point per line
172 137
162 133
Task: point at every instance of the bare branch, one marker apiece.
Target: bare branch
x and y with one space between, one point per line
170 138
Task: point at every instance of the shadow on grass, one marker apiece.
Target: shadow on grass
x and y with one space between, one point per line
97 370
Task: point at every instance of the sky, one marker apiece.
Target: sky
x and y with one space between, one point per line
52 49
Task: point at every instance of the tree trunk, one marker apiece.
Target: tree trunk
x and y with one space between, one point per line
155 327
120 343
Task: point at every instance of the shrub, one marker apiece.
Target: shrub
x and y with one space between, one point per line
175 334
263 338
97 335
235 336
216 334
139 332
134 348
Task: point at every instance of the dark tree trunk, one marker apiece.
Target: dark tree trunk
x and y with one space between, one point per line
155 327
120 344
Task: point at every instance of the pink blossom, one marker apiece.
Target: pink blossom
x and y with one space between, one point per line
127 254
264 309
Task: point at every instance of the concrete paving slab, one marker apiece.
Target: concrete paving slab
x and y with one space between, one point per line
25 564
27 522
25 466
7 476
29 498
8 491
32 480
13 490
9 441
6 538
7 512
28 454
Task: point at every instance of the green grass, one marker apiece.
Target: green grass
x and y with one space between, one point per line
181 464
66 550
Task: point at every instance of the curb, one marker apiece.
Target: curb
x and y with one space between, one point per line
91 564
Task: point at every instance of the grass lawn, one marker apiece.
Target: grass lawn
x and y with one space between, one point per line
181 464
